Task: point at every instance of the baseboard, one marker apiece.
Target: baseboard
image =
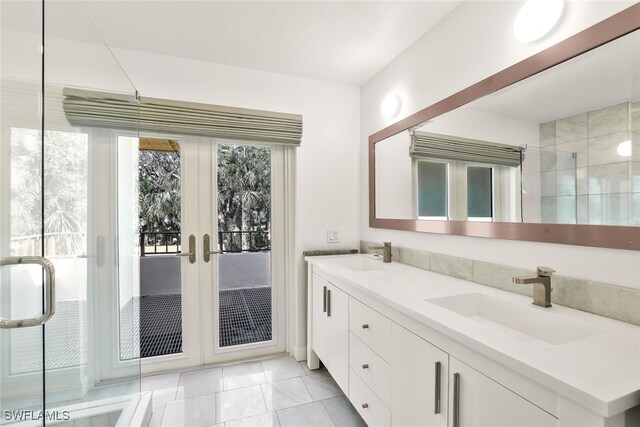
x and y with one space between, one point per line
299 353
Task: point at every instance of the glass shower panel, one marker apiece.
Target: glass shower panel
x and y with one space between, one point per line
21 286
84 373
551 187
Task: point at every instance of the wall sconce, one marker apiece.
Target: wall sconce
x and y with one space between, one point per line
390 106
536 19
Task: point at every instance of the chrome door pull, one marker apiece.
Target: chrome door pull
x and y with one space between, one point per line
192 249
206 248
436 399
49 291
328 302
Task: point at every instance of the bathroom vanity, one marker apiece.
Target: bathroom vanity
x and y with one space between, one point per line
410 347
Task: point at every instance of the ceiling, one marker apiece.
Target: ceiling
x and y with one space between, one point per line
338 41
603 77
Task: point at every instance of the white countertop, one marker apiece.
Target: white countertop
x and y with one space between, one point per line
600 372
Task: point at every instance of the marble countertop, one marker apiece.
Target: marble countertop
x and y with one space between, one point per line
600 372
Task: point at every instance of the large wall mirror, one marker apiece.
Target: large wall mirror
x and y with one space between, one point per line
546 150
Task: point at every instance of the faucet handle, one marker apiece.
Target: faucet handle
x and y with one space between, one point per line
545 271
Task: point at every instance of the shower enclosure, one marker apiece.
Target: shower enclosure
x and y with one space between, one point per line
68 261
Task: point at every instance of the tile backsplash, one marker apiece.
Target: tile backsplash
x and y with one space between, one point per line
616 302
586 176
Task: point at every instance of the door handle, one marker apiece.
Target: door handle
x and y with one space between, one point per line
206 248
192 249
328 302
49 291
324 299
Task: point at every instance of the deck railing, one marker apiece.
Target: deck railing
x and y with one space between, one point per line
159 242
169 242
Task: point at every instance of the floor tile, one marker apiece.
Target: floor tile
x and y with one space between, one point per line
270 419
310 415
308 371
282 368
284 394
239 403
198 383
193 412
343 413
321 386
243 375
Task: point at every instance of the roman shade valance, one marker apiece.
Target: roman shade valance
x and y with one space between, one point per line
97 109
433 145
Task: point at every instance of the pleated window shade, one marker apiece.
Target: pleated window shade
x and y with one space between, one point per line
97 109
433 145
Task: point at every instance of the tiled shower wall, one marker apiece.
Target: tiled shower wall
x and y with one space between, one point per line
596 185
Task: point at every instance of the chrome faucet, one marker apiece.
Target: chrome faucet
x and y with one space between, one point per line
386 251
541 285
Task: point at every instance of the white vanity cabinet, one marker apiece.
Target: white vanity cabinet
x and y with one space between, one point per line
330 329
475 400
400 371
419 386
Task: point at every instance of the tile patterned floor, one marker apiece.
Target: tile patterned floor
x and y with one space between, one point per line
277 392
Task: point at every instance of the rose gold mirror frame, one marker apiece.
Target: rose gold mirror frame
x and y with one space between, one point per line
604 236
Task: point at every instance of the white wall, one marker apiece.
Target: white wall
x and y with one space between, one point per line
473 42
327 162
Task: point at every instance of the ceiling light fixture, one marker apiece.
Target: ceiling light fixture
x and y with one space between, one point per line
390 106
536 19
625 149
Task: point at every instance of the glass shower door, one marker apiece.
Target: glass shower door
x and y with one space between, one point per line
21 285
58 200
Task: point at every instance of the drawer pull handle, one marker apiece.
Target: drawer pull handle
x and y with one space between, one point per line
365 405
365 326
365 366
436 402
456 400
324 299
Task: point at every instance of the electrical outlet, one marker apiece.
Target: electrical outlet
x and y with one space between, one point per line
333 236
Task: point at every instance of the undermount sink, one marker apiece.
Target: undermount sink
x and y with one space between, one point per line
521 321
359 264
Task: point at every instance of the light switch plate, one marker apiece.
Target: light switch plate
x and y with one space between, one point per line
333 236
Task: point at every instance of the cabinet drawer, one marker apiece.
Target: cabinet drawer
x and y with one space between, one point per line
371 327
371 368
370 408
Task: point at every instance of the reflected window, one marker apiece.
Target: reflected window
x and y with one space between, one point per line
479 193
433 190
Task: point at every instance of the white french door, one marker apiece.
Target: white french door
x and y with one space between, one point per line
234 299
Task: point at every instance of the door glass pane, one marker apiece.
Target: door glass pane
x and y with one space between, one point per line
21 349
433 190
160 299
479 193
244 238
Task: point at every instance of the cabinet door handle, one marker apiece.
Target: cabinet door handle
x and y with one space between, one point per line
365 326
365 366
436 398
365 405
328 302
324 299
456 400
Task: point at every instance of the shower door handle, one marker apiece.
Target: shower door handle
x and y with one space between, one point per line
206 248
192 249
49 291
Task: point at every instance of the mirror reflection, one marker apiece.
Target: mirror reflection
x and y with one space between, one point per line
559 147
